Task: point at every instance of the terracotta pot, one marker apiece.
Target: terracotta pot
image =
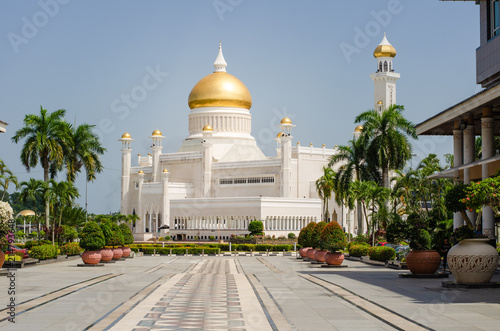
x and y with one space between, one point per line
310 253
91 257
126 251
2 258
303 251
319 255
334 258
473 261
106 254
117 253
423 262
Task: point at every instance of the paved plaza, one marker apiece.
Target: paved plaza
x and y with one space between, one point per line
239 293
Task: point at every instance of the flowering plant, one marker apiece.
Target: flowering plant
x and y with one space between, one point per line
483 193
6 214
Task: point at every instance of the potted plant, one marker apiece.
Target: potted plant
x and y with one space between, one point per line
309 240
106 252
333 239
128 239
421 259
472 260
319 253
116 241
305 239
91 240
6 214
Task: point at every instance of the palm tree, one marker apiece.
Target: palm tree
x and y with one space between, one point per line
324 186
30 190
388 133
85 153
65 193
6 177
47 140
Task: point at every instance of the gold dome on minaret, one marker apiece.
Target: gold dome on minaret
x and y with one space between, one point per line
220 89
359 128
384 49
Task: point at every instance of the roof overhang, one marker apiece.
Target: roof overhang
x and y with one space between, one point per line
465 111
475 169
3 126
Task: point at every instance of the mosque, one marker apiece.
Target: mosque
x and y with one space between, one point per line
219 180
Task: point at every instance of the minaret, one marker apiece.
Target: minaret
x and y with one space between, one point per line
207 159
156 147
384 78
286 158
166 198
126 140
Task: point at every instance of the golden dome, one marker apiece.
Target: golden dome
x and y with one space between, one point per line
380 102
156 133
165 170
141 172
279 135
286 120
207 128
384 49
220 89
126 135
359 128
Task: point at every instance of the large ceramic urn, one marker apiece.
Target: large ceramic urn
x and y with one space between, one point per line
91 257
473 261
106 254
126 251
423 262
332 258
319 255
303 250
117 253
310 253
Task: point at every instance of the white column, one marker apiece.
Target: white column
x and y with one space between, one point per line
469 156
487 152
457 161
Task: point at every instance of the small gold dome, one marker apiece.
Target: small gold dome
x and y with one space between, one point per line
359 128
126 135
286 120
207 128
380 102
310 144
141 172
220 89
279 135
165 170
323 145
156 133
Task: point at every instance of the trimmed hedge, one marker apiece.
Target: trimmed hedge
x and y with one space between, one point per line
44 252
359 249
382 253
148 248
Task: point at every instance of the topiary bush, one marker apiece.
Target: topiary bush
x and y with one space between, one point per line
305 235
91 237
128 237
256 227
71 249
69 234
382 253
316 235
44 252
117 238
211 238
333 237
359 249
292 235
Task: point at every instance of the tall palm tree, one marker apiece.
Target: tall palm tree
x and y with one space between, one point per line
47 140
65 193
30 190
388 133
6 177
84 153
324 186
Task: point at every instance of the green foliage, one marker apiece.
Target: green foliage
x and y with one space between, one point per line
44 252
306 234
13 257
316 235
72 248
484 193
332 237
359 249
454 197
128 238
382 253
463 232
69 234
167 238
292 235
362 238
91 237
421 241
211 238
255 227
396 231
32 243
117 238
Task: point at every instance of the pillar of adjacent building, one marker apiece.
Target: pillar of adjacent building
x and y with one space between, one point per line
166 199
487 151
469 157
458 220
140 212
126 164
156 149
286 158
207 160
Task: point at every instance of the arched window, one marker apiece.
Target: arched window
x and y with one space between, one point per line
385 65
380 66
390 66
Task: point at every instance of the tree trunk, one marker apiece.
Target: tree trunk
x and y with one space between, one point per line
47 204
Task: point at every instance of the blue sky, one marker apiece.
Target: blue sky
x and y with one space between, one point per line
304 59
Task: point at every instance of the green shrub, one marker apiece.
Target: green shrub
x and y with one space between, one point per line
128 237
167 238
292 235
263 247
91 237
382 253
211 238
359 249
498 251
69 234
32 243
71 249
316 235
332 237
421 241
255 227
44 252
280 248
305 235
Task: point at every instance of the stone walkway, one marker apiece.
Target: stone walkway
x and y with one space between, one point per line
239 293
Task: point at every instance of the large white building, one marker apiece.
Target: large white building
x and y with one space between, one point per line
219 180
